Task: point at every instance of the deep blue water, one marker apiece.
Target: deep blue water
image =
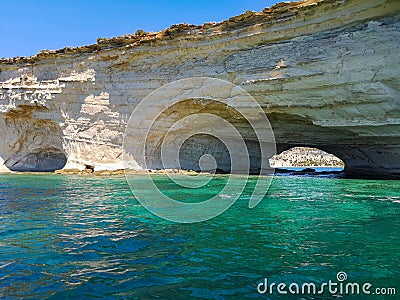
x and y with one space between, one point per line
83 237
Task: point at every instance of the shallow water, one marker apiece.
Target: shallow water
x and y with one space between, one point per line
87 237
318 169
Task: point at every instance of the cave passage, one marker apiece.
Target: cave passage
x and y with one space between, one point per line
307 157
30 143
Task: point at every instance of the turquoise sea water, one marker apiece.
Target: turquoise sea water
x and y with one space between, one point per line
86 237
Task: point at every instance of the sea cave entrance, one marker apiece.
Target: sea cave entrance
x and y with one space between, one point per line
306 160
30 144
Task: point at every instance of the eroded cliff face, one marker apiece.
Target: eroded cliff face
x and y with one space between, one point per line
326 74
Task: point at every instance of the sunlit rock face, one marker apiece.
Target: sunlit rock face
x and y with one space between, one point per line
326 74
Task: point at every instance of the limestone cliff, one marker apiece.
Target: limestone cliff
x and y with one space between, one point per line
325 72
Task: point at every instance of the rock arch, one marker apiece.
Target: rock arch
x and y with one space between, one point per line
198 144
326 73
364 156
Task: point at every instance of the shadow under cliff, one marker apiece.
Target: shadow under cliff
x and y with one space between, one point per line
30 143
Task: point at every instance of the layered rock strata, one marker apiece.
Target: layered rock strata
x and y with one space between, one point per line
326 73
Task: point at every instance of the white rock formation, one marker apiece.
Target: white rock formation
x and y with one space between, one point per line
305 157
325 72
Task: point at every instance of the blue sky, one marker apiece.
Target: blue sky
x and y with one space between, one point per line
28 26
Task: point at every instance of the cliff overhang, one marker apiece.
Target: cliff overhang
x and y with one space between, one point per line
326 73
